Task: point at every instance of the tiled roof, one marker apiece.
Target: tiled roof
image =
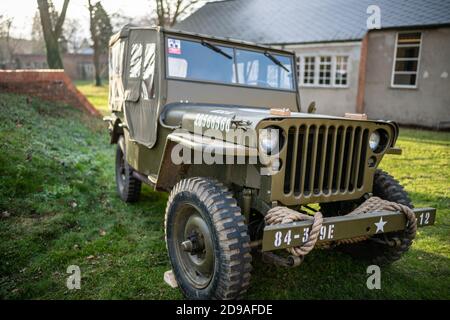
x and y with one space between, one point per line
304 21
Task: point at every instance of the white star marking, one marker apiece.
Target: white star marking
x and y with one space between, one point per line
380 225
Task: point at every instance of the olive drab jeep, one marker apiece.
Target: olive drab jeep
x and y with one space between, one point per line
218 124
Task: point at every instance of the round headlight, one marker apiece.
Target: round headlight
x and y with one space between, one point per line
269 140
374 140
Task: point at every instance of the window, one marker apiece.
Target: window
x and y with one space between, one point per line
136 60
308 70
324 71
192 60
406 60
257 69
149 71
211 62
340 74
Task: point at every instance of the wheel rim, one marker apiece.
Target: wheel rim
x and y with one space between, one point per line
193 246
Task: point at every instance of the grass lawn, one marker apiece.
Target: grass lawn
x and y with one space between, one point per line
59 207
98 96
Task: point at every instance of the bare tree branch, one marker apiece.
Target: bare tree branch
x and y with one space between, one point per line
168 15
176 12
61 18
169 11
160 11
5 33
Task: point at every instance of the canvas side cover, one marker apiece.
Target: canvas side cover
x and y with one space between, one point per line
116 64
140 99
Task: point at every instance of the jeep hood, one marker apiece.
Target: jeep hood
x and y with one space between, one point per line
193 117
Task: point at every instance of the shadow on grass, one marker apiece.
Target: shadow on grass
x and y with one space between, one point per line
329 274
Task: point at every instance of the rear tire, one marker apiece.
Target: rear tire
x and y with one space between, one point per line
128 187
217 262
386 188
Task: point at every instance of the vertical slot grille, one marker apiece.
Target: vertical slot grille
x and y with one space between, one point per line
325 160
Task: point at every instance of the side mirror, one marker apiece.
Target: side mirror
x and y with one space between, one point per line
312 107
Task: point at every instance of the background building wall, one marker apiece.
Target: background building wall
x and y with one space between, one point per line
76 66
429 103
332 101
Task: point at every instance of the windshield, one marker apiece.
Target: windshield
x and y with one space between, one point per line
257 69
204 61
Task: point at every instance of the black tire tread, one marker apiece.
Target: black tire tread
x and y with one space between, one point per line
231 229
132 186
388 188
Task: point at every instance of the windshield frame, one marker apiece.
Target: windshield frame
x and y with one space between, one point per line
233 46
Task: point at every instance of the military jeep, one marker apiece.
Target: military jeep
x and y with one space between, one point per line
218 124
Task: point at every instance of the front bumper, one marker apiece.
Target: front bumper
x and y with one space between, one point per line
283 236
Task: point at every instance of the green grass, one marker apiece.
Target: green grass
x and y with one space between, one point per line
98 96
59 208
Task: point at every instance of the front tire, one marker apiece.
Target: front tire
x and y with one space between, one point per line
128 187
207 240
386 188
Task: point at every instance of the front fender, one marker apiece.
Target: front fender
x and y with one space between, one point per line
170 171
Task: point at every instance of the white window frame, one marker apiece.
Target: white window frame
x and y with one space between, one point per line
335 70
317 71
301 70
317 75
406 86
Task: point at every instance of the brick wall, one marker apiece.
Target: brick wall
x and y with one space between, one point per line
52 85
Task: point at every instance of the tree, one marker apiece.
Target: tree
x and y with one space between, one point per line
37 35
52 28
70 39
101 31
7 43
73 35
5 26
119 19
170 11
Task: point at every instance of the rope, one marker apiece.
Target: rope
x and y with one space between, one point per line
378 204
284 215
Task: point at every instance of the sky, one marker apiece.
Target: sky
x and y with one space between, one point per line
23 11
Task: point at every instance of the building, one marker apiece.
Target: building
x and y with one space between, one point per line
9 47
77 66
21 54
389 59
